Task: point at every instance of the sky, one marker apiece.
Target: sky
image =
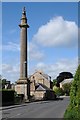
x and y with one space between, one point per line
0 37
52 37
39 0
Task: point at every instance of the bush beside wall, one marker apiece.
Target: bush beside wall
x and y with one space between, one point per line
73 110
7 97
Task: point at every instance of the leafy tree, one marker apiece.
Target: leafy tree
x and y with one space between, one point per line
66 88
64 75
58 90
73 110
2 82
54 82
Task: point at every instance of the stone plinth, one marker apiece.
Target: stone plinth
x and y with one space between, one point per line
21 87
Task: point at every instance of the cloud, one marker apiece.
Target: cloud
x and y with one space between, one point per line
34 52
1 40
9 68
54 69
57 32
0 67
11 46
10 72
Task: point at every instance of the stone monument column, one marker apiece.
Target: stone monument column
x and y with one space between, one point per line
23 45
22 85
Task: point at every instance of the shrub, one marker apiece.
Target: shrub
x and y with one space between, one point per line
54 82
73 110
66 88
58 91
7 97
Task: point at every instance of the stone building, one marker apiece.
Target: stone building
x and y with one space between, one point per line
69 80
41 86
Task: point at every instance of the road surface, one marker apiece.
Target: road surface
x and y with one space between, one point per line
42 109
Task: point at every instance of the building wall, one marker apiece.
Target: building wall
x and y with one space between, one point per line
39 94
47 83
38 78
66 81
46 95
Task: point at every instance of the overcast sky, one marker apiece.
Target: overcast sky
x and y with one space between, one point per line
52 38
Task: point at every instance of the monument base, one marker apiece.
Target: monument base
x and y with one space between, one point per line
21 87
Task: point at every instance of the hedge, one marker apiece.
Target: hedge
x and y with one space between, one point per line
7 97
73 110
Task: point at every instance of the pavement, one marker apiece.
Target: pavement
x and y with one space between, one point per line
13 106
41 109
24 104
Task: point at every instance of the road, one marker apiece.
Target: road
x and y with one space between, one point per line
42 109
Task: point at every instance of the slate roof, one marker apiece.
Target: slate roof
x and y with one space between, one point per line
42 87
67 81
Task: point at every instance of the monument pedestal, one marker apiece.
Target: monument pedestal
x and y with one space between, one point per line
23 87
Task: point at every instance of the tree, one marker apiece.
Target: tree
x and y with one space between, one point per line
54 82
63 75
66 88
58 90
2 82
73 110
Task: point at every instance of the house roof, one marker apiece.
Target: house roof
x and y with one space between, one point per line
67 81
42 87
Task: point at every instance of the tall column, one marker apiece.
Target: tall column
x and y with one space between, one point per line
23 84
23 45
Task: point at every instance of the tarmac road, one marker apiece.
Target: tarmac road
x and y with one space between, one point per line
42 109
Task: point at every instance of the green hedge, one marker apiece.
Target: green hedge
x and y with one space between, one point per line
7 97
73 110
